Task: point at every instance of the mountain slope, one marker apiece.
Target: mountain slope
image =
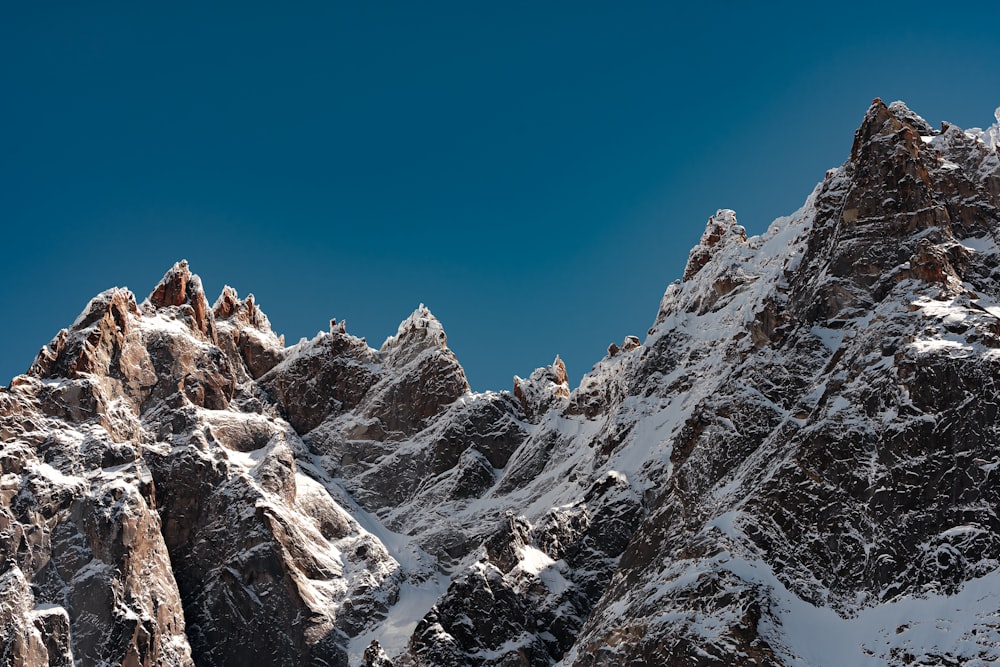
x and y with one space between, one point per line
803 444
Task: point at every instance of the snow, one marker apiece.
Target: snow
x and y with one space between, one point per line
955 314
245 459
831 338
534 560
990 306
966 625
56 476
953 347
393 633
553 578
419 584
981 244
511 646
991 135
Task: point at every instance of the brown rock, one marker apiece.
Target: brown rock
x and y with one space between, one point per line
722 228
936 263
182 290
172 290
544 388
259 352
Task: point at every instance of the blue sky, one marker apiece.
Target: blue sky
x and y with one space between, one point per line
535 174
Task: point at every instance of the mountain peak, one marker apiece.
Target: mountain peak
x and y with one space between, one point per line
721 230
229 305
172 288
546 387
419 332
181 289
904 114
886 127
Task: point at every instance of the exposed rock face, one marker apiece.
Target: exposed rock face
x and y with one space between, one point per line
806 438
545 389
721 231
837 461
87 577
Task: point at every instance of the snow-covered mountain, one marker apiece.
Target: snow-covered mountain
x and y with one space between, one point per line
797 466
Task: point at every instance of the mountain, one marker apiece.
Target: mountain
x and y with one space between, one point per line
796 466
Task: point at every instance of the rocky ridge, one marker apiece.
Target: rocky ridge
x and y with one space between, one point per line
806 437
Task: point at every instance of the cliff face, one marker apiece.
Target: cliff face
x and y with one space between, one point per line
795 467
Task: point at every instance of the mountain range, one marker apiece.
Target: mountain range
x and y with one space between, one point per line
795 466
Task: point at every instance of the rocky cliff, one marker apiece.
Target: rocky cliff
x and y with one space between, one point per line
795 467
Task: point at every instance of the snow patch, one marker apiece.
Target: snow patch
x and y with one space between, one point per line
394 632
534 560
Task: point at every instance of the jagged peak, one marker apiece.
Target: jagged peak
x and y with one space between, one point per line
172 290
559 368
419 332
107 317
554 372
630 343
420 318
874 122
904 114
882 121
545 386
721 227
721 230
179 287
227 303
95 309
229 306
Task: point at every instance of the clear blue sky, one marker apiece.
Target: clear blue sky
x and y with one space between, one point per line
534 172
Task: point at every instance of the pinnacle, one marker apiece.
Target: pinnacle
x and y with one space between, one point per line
544 387
172 288
229 306
418 332
721 229
904 114
559 368
894 120
179 287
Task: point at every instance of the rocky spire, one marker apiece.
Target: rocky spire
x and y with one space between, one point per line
420 375
244 329
721 230
179 288
544 388
229 306
94 342
890 203
419 332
